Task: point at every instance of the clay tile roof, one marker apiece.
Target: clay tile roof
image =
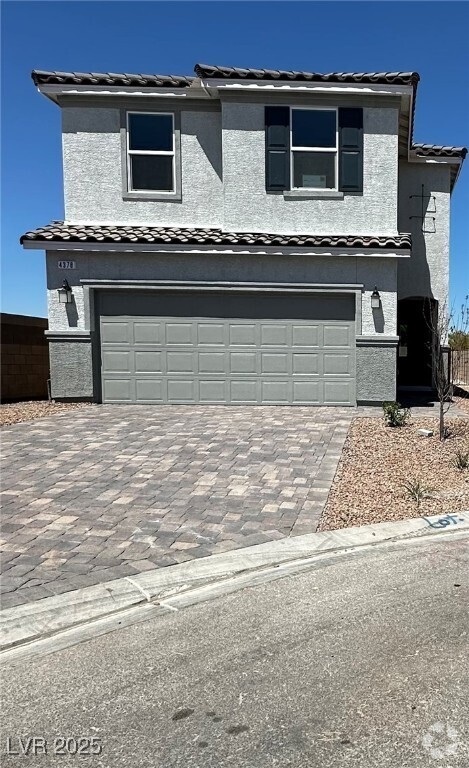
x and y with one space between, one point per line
207 71
41 77
437 150
60 232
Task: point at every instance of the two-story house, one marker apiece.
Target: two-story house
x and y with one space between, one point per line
244 236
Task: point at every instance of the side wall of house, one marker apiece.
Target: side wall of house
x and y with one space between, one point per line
72 333
426 273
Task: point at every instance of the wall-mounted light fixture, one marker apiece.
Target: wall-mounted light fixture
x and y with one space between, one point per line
65 293
375 299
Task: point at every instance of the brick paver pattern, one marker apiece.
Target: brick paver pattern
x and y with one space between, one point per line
110 491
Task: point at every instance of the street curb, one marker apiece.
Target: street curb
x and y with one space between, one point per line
45 618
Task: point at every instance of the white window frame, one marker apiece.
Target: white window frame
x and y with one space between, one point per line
130 152
331 150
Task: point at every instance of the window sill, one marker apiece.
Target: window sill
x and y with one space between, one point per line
168 197
306 194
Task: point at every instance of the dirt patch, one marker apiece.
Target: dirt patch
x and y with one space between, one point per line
377 461
14 413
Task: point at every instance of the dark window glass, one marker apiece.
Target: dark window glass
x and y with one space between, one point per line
152 172
313 128
154 132
314 169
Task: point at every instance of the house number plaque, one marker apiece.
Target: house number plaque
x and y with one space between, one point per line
67 264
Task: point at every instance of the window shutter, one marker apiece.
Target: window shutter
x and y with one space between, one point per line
351 149
277 148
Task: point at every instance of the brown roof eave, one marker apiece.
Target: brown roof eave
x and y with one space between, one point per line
208 71
43 77
80 233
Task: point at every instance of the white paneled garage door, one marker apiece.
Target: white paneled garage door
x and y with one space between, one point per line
227 348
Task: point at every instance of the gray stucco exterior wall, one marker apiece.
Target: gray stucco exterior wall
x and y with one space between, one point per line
72 359
223 175
276 268
248 207
93 170
71 369
376 373
426 273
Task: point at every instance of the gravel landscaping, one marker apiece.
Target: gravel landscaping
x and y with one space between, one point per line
14 413
377 460
462 398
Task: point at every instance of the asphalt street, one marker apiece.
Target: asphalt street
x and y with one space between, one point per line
361 661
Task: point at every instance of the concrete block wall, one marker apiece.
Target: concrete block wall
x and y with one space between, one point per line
24 357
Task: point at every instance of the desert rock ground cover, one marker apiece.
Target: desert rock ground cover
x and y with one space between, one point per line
14 413
378 460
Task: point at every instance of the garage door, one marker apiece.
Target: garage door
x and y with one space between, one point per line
227 348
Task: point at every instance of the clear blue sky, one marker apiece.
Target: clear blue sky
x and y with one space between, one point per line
430 37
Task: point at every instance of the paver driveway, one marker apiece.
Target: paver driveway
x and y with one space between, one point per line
109 491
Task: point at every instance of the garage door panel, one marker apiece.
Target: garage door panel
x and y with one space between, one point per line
116 361
337 336
181 391
212 391
275 362
253 358
305 336
242 335
180 362
179 333
212 362
243 391
149 390
148 333
275 335
276 391
307 392
306 362
243 362
118 391
338 392
113 332
337 364
208 335
148 362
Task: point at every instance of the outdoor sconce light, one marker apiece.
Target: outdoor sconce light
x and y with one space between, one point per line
375 299
65 293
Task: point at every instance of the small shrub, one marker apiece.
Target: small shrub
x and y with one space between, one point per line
416 490
461 460
394 415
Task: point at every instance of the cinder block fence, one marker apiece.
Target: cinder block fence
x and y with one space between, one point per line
24 357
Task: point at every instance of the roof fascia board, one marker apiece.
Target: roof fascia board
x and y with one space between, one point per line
283 85
54 91
413 158
56 245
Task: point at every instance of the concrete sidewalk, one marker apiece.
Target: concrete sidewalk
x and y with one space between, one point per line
175 587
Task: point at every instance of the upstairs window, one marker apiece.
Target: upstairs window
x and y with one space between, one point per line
150 152
314 149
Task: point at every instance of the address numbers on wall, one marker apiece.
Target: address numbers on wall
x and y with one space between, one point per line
67 264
